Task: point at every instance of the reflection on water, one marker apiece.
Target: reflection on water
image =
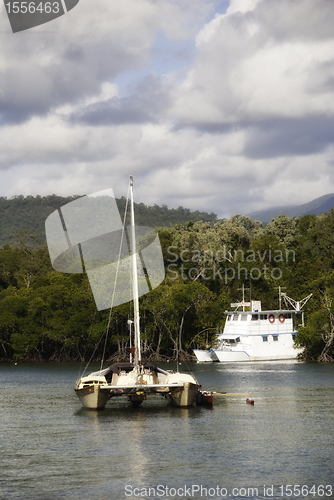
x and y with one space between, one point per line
50 448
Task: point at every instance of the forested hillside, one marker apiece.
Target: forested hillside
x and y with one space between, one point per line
46 315
28 214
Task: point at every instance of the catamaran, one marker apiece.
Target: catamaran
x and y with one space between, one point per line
136 379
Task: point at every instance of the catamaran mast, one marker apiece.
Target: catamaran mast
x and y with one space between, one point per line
137 355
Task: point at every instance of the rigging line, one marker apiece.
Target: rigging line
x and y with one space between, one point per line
90 359
115 281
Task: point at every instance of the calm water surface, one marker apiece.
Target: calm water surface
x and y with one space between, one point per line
50 448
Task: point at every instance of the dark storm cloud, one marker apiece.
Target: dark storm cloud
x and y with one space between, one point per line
290 137
41 73
147 103
209 128
34 90
115 111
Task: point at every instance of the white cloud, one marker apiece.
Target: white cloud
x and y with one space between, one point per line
71 58
243 72
247 125
241 6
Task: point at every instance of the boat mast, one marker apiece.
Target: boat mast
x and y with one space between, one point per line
280 295
137 354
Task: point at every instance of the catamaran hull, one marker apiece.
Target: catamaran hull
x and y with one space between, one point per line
93 397
183 397
123 379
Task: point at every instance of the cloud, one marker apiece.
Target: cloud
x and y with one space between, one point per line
270 62
68 59
242 121
146 103
294 137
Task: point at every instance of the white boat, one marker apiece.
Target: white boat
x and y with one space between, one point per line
205 356
135 380
256 335
202 355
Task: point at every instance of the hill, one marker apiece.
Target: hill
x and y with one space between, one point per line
316 206
27 214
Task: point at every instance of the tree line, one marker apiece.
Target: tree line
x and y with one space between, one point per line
28 213
46 315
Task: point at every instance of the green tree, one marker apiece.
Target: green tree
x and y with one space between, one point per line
283 227
177 309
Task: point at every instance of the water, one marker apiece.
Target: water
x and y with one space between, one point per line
51 449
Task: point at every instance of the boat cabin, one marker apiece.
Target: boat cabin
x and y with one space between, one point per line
258 322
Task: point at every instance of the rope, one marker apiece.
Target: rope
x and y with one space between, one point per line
90 359
114 290
231 394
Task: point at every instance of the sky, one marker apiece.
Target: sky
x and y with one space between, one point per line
217 106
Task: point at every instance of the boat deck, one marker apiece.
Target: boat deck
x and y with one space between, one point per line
117 390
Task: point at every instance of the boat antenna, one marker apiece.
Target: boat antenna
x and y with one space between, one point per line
280 295
177 356
130 322
137 354
243 296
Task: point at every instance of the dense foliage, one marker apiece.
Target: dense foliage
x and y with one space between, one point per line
46 315
28 213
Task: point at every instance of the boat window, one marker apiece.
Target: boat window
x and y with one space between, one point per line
235 317
263 316
287 315
275 338
255 317
229 317
244 317
293 335
265 338
233 341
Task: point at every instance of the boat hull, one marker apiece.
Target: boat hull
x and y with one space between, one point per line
92 397
204 356
183 397
124 379
226 356
232 356
95 398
